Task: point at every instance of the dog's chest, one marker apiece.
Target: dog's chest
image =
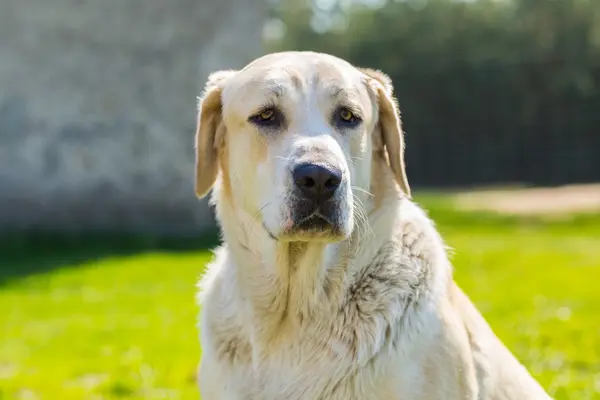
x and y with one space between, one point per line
356 355
306 371
329 370
364 350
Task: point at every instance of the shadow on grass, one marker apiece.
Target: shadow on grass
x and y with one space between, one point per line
28 253
23 254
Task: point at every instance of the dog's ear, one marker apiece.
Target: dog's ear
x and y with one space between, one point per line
210 131
390 125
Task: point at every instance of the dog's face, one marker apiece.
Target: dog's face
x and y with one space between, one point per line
293 136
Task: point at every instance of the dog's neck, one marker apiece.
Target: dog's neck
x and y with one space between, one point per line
282 277
296 282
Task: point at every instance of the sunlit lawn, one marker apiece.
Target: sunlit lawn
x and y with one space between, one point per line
108 319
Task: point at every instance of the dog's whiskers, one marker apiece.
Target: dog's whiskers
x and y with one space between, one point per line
363 191
261 209
259 222
364 227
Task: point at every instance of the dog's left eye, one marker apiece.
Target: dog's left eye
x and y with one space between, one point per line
345 117
267 117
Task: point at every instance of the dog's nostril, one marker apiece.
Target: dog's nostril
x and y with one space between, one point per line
304 181
332 183
317 182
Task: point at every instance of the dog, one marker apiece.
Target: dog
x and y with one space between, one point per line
331 283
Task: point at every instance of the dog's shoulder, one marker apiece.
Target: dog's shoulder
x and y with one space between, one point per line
418 234
408 253
393 291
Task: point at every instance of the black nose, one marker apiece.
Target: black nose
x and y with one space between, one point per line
316 182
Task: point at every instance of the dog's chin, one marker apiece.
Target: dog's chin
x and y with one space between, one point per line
315 229
310 230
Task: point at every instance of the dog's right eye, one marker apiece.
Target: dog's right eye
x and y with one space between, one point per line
268 117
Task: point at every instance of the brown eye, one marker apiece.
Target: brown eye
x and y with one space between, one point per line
344 118
346 115
269 117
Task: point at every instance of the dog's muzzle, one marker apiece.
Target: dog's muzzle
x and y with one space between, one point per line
315 208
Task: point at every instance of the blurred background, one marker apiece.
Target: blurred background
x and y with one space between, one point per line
102 238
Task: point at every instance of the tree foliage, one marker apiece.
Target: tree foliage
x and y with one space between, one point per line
490 90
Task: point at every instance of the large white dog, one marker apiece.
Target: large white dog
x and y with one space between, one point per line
331 283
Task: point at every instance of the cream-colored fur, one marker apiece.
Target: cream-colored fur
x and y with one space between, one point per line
367 312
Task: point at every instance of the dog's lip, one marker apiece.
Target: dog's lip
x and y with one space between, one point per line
315 215
302 226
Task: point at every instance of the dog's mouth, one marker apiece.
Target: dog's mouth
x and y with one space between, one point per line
315 225
315 222
304 221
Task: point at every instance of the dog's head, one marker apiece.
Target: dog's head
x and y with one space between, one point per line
290 139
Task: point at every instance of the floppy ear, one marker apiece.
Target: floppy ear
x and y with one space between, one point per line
210 131
390 125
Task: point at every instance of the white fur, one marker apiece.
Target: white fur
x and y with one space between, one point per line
373 315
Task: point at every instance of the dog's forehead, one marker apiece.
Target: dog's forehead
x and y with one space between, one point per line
283 73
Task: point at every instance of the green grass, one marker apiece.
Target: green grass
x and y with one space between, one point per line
94 318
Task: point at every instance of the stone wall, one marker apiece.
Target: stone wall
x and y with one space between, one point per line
97 108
